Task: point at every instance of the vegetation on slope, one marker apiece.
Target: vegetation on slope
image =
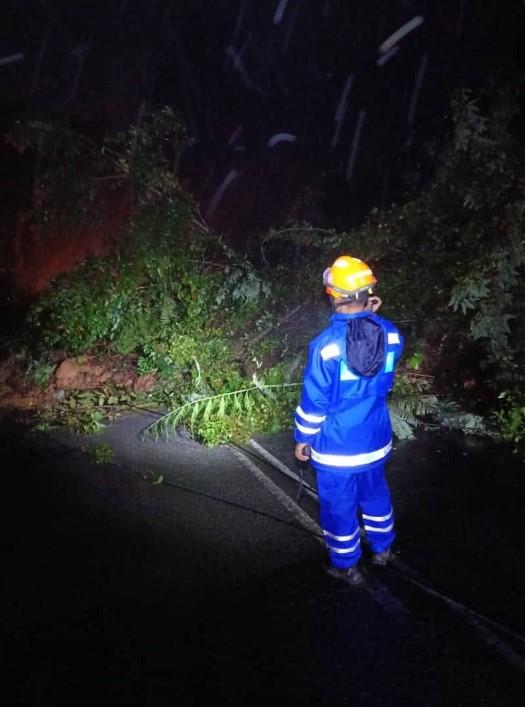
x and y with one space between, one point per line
222 334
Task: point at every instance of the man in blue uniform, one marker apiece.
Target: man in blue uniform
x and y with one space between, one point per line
342 422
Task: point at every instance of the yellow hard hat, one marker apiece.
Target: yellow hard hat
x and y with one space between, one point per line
347 277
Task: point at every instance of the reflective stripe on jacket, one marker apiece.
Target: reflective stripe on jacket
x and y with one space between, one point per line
344 415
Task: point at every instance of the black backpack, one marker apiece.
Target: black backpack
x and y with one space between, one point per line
365 346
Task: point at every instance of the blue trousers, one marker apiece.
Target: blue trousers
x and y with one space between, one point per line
342 496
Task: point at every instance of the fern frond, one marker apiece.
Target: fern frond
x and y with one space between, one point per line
402 428
454 418
239 401
406 411
416 405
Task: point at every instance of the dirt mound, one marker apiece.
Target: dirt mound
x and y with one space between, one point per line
19 391
16 391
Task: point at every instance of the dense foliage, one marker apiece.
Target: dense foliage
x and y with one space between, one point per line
176 299
205 320
451 258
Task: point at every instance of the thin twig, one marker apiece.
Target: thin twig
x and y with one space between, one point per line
281 321
299 228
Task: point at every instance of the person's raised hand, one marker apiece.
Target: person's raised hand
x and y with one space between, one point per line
374 303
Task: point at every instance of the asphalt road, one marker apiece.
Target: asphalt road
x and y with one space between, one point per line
207 590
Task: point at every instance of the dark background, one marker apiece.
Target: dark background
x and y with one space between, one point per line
101 65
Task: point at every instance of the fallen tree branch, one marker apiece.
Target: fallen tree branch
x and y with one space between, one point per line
281 321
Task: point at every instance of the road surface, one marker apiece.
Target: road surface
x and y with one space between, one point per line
209 589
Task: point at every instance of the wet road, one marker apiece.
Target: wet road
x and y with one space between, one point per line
210 592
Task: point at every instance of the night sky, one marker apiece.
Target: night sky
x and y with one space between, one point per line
304 108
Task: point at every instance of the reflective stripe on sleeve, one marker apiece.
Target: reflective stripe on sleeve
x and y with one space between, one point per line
308 416
330 351
393 337
307 430
341 538
340 460
379 530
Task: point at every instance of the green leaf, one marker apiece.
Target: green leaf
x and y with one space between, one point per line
208 409
195 413
237 401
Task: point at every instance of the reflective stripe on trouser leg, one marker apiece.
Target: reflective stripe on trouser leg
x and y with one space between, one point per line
376 508
338 517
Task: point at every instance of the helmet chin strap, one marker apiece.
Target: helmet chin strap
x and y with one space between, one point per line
336 303
341 302
353 299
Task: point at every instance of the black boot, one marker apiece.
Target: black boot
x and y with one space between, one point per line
382 558
351 575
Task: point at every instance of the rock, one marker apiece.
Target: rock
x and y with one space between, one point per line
122 379
69 374
145 383
80 374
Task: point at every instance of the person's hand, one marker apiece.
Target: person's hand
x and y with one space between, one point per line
300 450
374 303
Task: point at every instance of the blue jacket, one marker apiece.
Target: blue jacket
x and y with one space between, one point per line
343 412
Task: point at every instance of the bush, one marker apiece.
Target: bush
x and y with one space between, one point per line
449 260
510 418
